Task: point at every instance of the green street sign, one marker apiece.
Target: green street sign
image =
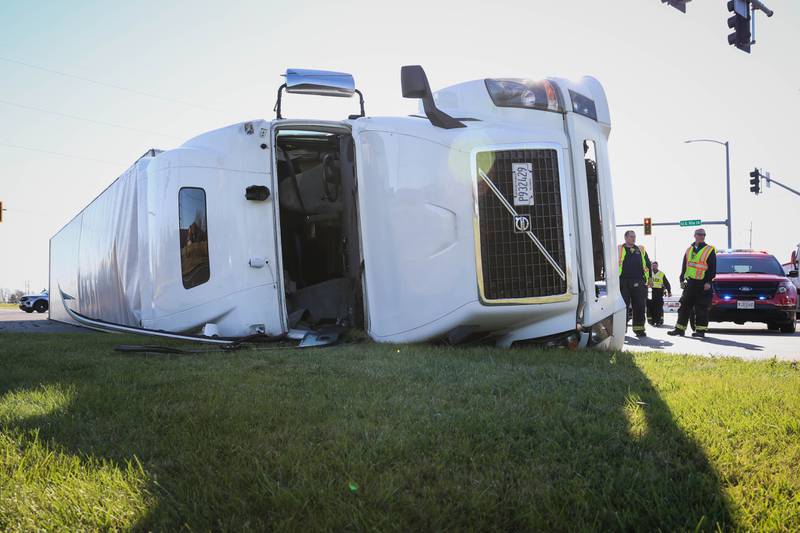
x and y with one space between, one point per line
694 222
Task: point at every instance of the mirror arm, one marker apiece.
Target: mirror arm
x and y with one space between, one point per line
361 101
277 107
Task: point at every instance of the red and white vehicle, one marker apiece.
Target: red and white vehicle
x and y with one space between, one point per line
751 286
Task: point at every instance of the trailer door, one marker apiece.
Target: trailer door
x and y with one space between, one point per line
595 218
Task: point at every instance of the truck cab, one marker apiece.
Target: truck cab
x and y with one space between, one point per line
488 214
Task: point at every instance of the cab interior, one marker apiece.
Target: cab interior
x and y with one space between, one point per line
319 227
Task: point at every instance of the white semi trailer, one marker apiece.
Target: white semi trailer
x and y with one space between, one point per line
490 213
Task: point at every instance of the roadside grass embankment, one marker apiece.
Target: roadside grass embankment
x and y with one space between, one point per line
402 438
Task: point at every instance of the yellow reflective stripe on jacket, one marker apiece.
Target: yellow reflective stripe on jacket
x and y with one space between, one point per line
658 280
642 252
697 263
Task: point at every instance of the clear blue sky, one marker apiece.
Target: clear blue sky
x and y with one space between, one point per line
669 77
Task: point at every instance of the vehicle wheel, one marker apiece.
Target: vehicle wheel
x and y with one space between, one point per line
788 327
772 326
40 306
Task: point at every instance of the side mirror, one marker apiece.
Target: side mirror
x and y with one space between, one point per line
320 83
414 84
793 274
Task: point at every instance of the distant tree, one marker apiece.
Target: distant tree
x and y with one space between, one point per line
15 297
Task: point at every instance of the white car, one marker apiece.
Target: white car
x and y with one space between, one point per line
35 302
791 268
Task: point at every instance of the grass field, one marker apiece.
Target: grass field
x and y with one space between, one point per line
373 437
9 306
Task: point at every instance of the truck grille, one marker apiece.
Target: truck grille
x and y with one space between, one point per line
512 266
746 290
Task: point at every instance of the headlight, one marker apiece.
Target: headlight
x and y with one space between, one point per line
601 330
528 94
785 287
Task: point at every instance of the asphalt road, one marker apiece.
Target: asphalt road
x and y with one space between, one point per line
18 321
750 341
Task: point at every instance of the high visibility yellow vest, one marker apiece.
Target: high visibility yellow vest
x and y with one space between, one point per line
658 280
697 263
623 252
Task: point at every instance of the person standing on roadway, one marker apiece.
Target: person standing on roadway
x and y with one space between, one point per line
660 284
634 278
699 269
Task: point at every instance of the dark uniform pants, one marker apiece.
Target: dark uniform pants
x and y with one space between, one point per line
657 306
694 298
634 292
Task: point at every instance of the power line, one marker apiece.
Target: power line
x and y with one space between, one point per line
92 121
72 156
109 85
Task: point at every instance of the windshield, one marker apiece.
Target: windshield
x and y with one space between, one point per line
745 264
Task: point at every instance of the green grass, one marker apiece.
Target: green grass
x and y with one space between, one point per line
373 437
9 306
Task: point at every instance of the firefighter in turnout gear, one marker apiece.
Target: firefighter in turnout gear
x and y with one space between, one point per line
634 278
660 285
698 271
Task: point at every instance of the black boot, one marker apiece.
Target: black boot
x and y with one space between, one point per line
676 331
698 334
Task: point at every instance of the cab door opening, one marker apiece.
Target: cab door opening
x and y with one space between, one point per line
319 227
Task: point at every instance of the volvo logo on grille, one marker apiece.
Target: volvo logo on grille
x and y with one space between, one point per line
522 223
745 289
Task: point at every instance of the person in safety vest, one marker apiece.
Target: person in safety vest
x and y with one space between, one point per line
660 284
634 278
699 269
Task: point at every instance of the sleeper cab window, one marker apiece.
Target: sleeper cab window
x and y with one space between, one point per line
195 269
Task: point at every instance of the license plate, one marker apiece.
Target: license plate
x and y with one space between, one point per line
523 183
745 305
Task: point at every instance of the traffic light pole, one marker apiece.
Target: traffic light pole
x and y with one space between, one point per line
703 223
778 183
727 178
728 187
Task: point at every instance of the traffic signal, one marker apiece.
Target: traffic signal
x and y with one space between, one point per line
739 22
677 4
755 181
648 226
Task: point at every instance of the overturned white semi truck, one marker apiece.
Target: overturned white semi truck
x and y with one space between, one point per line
489 214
